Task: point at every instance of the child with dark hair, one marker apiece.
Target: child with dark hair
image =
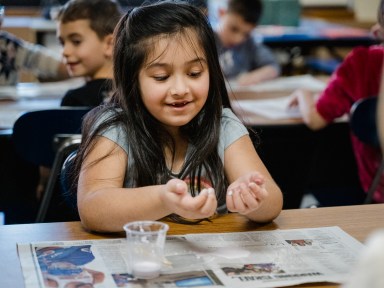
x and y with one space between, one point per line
242 59
85 29
168 143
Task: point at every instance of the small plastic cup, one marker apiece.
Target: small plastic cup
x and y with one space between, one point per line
145 241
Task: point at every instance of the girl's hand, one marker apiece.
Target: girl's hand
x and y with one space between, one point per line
247 193
177 198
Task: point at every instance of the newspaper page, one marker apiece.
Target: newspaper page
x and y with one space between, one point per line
243 259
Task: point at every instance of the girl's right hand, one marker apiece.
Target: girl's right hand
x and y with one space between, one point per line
178 200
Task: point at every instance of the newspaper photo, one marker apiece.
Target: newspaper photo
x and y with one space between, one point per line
243 259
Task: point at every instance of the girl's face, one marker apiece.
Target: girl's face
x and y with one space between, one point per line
174 81
84 53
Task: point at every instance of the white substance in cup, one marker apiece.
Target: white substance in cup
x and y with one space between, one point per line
146 269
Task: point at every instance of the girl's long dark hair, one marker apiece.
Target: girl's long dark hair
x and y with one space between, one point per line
146 135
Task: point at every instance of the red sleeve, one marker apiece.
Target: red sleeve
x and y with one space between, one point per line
357 77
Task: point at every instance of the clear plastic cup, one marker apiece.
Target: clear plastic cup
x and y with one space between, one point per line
145 241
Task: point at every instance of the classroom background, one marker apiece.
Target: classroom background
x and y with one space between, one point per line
308 37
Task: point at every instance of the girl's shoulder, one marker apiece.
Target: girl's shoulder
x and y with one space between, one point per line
104 116
230 121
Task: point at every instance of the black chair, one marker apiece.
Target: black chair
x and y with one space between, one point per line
33 136
51 200
363 122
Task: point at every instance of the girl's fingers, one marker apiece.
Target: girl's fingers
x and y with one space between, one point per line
245 198
237 200
258 191
198 203
210 205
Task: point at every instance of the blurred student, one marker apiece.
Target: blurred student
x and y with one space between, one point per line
357 77
242 59
85 31
18 55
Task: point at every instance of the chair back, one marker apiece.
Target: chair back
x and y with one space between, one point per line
56 205
363 121
67 186
34 131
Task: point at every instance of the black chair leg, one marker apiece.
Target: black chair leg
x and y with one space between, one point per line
375 182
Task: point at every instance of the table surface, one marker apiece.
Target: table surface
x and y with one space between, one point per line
359 221
15 100
312 30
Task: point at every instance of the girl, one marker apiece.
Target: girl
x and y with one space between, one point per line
168 143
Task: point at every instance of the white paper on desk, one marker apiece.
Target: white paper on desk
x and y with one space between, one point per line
289 83
275 108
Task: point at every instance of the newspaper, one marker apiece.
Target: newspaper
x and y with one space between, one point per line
244 259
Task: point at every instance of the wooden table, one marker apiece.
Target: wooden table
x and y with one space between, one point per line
358 221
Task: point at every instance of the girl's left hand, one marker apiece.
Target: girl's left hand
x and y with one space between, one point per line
246 193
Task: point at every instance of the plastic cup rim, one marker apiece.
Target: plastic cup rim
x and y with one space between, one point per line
163 227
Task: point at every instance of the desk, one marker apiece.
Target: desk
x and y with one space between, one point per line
358 221
15 100
312 33
303 41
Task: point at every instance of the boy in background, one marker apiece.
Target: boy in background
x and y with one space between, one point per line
85 31
242 59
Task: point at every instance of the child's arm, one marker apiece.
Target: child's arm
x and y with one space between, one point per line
258 75
38 59
105 206
252 191
306 102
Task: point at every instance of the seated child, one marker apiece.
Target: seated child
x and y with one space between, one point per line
241 58
85 29
167 144
357 77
